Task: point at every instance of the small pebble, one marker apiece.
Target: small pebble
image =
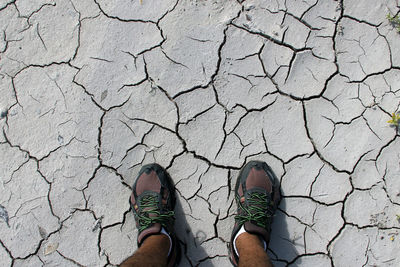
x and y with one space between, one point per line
50 248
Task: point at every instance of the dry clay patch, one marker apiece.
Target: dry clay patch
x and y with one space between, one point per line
306 86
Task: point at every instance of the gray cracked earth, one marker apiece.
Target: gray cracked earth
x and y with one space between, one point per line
92 89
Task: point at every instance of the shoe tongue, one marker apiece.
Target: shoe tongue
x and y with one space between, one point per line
254 229
154 229
251 227
256 190
147 194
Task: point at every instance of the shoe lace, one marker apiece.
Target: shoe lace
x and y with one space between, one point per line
149 205
257 210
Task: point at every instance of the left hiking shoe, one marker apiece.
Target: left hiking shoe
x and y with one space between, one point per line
153 201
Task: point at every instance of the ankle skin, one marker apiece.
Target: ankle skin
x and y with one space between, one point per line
153 252
251 251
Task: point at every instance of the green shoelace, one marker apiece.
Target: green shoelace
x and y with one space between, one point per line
149 205
257 211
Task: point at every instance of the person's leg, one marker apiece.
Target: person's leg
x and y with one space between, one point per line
251 251
153 252
152 202
257 196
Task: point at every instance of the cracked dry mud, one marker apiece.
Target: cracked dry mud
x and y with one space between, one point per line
92 89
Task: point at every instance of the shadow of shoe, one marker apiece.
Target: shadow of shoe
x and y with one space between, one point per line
191 250
285 246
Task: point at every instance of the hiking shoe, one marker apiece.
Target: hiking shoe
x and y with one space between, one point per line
153 201
257 196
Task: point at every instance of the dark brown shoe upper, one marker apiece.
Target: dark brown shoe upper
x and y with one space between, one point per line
257 196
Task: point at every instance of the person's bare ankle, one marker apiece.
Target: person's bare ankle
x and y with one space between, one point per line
246 240
251 251
159 244
152 252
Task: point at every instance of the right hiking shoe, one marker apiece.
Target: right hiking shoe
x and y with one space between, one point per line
257 196
153 201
